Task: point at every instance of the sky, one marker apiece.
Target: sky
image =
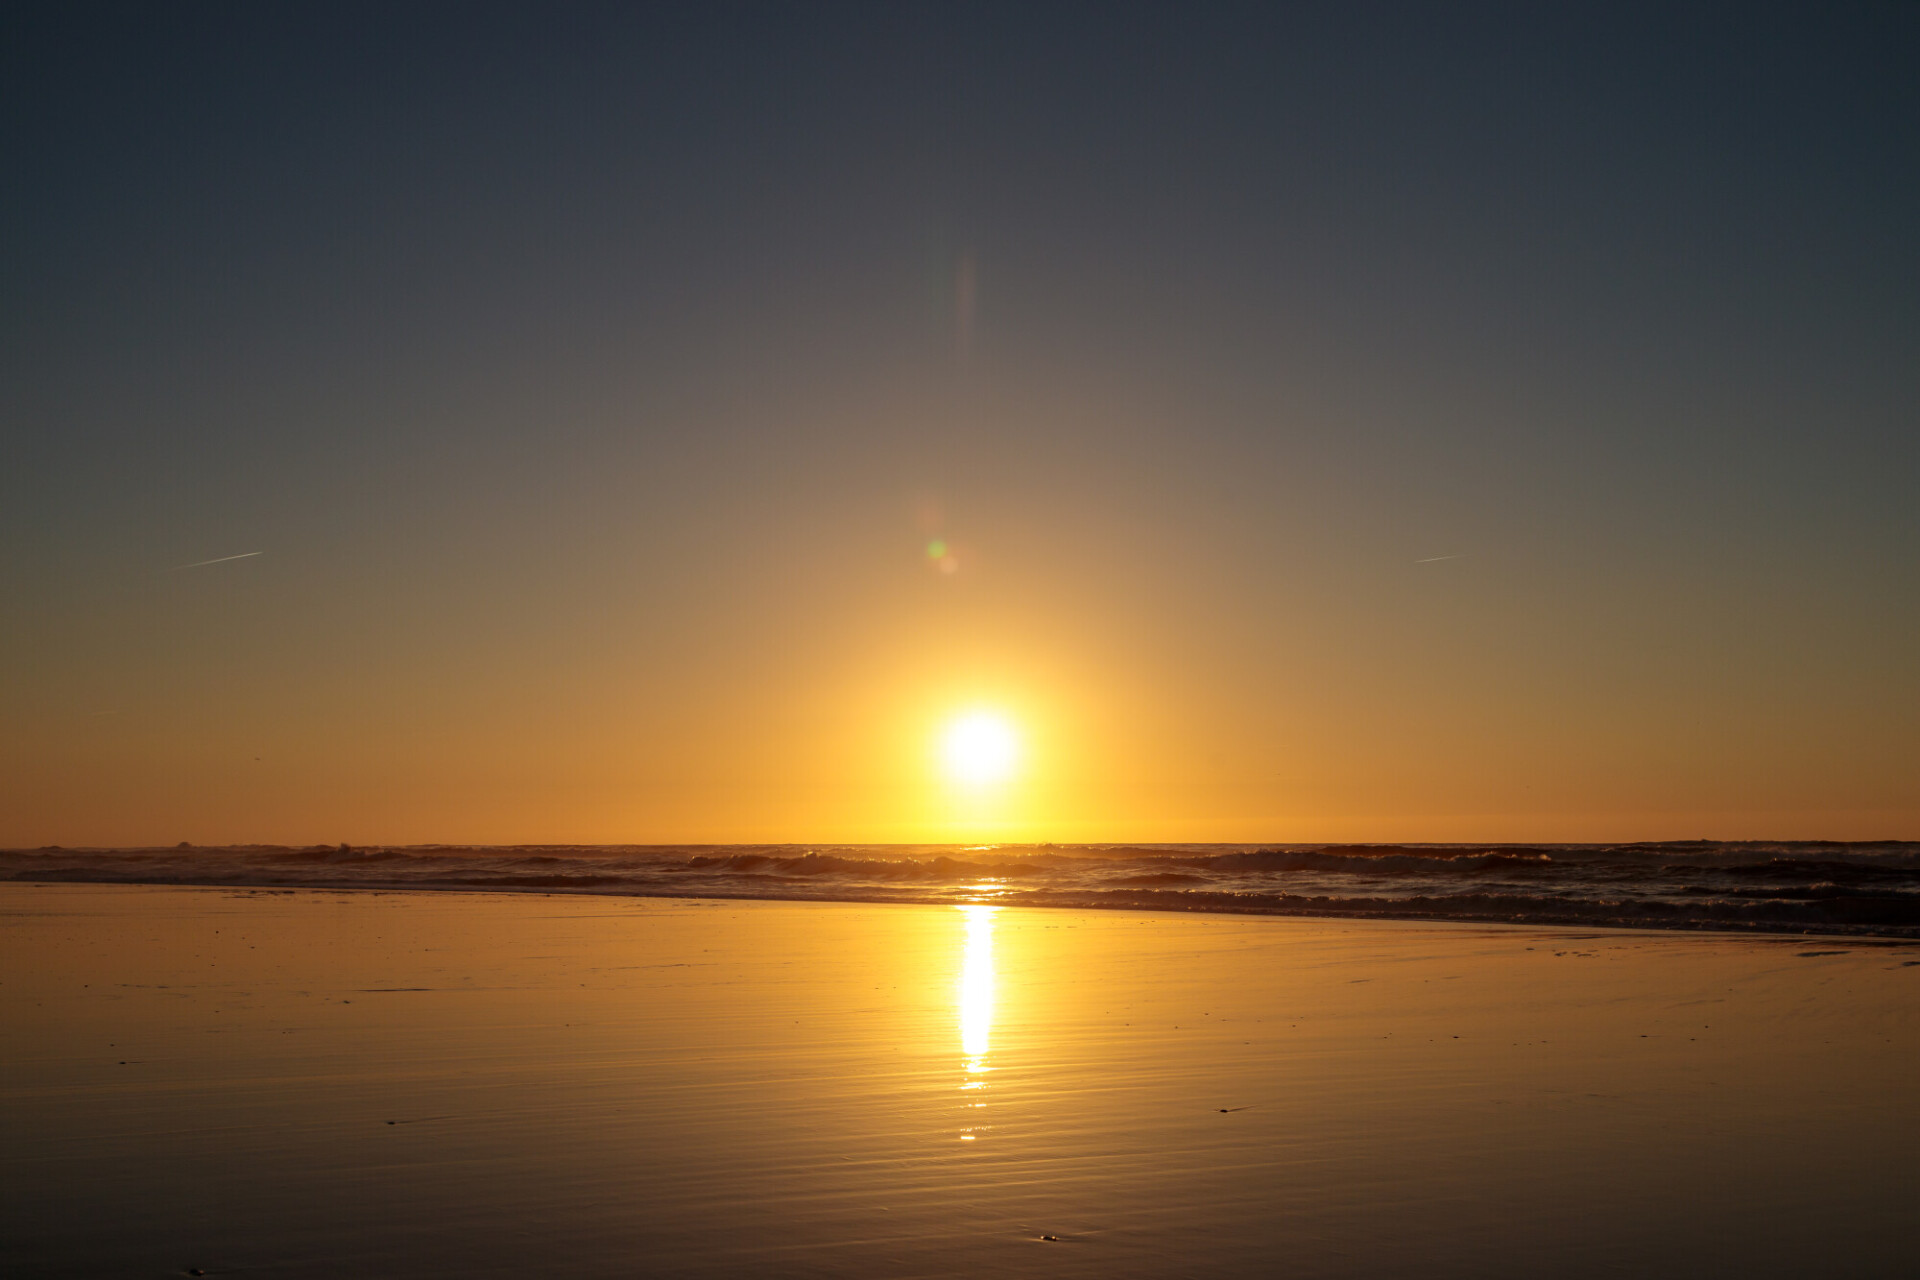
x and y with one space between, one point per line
610 423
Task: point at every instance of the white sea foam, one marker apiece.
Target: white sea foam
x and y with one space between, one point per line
1823 887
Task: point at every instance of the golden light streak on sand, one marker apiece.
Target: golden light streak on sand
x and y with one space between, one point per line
976 989
520 1084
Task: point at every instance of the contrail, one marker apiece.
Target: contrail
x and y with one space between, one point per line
216 560
1431 559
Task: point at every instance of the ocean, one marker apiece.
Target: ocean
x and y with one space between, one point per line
1828 887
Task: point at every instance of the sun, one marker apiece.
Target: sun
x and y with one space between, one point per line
979 748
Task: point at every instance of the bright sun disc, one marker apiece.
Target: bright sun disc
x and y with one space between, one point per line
981 748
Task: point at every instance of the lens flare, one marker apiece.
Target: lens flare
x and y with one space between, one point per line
943 555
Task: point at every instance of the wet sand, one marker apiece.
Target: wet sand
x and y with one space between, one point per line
434 1084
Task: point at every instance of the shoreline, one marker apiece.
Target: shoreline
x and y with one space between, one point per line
1899 936
1792 889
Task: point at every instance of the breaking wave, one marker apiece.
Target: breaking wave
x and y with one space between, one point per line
1805 886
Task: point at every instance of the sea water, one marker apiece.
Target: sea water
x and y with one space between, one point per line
1783 886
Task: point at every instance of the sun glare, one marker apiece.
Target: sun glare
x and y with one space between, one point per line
980 748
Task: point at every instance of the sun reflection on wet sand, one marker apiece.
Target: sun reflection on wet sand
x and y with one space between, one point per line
774 1089
975 1000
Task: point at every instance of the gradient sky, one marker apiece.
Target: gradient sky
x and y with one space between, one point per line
1347 422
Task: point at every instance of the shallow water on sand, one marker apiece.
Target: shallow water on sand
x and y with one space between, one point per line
319 1084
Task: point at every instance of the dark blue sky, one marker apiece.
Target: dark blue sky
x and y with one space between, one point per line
589 376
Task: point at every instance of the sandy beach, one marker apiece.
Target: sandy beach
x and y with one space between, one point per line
322 1084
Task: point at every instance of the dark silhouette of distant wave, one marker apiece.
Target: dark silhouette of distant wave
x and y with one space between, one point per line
1807 886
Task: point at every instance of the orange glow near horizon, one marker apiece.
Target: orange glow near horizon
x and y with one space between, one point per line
894 706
